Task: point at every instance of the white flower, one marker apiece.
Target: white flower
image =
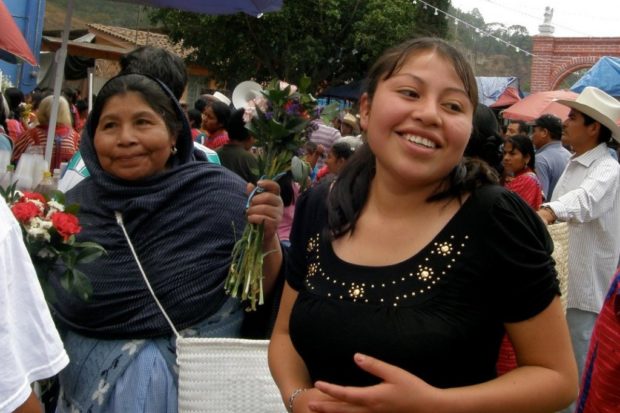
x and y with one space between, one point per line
284 85
102 389
261 103
249 113
38 232
55 206
38 222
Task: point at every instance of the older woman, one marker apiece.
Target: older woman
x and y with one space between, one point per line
66 139
138 148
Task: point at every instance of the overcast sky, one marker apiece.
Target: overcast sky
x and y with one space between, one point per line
571 18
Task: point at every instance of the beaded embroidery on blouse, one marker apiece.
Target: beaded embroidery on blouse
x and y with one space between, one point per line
398 289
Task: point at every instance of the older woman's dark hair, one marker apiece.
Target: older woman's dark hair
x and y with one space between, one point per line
151 92
523 144
349 194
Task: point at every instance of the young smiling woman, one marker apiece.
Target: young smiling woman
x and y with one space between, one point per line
402 277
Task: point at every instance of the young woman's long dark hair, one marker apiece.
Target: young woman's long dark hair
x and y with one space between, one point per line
350 192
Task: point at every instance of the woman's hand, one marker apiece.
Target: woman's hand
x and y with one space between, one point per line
266 208
399 391
301 402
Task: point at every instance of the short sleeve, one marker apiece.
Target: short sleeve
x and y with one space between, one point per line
522 272
30 347
310 218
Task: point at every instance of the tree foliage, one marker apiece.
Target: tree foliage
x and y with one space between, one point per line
331 41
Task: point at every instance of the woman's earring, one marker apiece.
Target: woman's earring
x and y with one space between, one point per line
173 150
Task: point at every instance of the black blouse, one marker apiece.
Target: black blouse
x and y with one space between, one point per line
438 314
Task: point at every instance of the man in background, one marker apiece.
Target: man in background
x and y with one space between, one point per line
551 156
587 197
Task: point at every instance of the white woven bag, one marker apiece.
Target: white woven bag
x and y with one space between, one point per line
220 375
225 375
559 235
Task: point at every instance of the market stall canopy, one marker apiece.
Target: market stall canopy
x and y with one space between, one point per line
498 92
12 42
605 75
349 91
536 104
251 7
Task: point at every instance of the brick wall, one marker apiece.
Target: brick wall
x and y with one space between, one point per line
557 57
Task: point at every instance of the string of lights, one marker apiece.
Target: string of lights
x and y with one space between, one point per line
478 30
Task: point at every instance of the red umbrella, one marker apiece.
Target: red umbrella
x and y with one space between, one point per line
12 40
533 106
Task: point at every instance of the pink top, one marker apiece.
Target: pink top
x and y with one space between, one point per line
284 229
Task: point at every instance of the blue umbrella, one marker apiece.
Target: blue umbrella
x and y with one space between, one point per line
251 7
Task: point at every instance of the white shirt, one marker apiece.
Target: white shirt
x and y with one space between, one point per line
30 347
588 198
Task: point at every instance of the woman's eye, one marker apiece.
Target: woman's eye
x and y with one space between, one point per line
409 93
143 122
108 125
455 107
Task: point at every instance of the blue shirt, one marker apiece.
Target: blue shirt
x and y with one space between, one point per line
551 159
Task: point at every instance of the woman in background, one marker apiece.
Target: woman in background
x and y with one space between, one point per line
66 139
215 119
519 176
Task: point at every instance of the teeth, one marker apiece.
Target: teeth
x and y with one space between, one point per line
420 141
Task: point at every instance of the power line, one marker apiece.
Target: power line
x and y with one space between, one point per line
478 30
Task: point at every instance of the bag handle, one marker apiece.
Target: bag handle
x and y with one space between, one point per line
119 220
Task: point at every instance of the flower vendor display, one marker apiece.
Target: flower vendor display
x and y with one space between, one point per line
49 228
278 118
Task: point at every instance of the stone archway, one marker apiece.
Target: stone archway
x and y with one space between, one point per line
556 57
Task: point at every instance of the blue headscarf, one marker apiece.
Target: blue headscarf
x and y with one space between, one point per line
182 222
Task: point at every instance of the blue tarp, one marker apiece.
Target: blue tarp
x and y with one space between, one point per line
605 75
491 88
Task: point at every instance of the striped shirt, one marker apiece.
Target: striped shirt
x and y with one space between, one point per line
588 198
14 129
64 147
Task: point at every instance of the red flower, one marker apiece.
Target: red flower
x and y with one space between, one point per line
66 224
35 196
25 211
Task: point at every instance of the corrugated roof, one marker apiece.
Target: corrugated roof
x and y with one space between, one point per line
142 38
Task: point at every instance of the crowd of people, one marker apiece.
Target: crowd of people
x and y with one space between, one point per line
411 271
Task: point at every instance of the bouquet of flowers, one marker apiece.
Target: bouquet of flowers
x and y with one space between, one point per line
49 228
278 120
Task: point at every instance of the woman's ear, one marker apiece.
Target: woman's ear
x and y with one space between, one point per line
364 111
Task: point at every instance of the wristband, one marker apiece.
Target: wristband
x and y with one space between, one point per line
292 398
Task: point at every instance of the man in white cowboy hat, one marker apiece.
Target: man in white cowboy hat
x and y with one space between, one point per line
587 197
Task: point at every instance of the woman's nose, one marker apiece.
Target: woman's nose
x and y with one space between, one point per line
126 135
427 111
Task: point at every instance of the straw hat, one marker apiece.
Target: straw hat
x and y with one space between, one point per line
350 120
599 106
